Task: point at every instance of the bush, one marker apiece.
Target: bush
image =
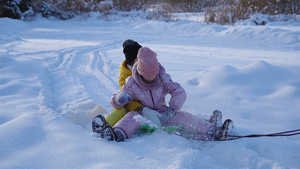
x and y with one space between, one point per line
16 9
66 9
187 6
231 11
128 5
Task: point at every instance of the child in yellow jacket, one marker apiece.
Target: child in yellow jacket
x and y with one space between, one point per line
130 50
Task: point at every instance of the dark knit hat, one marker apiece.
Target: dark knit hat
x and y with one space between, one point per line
130 49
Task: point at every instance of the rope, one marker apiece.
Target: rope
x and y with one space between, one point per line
280 134
235 137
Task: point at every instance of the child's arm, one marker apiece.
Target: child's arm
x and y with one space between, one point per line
124 73
123 96
178 95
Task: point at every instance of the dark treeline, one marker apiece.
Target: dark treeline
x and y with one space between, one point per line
219 11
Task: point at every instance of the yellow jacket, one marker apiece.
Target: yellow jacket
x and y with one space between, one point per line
124 73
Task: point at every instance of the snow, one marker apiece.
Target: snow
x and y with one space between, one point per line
56 76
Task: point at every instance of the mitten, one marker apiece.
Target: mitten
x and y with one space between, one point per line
151 115
167 115
122 99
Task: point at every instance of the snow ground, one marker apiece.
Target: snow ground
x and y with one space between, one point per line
55 76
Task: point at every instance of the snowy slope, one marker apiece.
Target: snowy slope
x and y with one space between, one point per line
55 76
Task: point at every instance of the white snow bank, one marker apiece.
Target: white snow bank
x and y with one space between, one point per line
259 90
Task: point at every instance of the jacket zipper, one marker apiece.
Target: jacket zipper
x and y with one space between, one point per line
152 99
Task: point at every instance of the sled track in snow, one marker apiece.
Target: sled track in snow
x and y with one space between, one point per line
84 72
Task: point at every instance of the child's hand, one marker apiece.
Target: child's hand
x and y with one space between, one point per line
151 115
122 99
167 115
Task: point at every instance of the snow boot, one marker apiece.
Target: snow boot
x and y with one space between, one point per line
120 135
100 126
99 123
220 133
216 118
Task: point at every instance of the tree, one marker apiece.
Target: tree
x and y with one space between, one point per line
15 9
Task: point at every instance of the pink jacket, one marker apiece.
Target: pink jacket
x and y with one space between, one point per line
153 95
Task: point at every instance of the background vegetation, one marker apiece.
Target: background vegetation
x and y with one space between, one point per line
217 11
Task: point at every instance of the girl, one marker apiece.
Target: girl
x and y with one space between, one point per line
149 84
130 50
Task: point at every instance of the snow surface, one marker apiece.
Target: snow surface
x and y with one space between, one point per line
55 76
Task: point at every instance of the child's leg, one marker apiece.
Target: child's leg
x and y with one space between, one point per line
113 117
192 124
128 124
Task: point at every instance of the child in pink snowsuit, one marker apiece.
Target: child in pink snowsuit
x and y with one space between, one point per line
149 84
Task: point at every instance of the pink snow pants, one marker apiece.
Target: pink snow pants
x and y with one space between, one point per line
192 125
128 124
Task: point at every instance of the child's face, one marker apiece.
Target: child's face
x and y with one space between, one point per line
135 60
149 79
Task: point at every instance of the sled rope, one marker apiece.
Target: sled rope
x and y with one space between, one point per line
174 130
235 137
285 133
280 134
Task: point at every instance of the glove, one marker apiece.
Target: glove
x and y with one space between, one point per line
122 99
151 115
167 115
